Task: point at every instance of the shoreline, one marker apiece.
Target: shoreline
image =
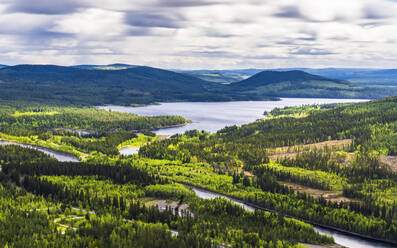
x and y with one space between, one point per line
165 127
271 99
36 147
313 223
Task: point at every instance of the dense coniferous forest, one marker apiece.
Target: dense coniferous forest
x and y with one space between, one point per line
273 156
133 85
113 212
137 85
77 130
330 165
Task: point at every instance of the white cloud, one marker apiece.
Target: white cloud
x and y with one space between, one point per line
336 10
201 34
92 23
20 23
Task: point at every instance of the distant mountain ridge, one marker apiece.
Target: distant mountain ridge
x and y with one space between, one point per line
106 67
360 76
216 77
298 83
221 76
139 84
272 77
57 74
144 85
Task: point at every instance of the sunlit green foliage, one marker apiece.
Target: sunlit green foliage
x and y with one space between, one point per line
78 131
234 161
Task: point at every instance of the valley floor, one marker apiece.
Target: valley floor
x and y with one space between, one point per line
332 166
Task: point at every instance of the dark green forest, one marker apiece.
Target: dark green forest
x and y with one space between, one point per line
330 165
355 171
133 85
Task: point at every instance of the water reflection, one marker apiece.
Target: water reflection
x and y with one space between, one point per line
63 157
212 116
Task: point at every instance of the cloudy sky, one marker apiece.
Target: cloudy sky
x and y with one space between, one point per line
194 34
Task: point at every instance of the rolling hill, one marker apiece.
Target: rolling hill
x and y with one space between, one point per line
361 76
88 85
71 85
222 76
298 83
106 67
216 77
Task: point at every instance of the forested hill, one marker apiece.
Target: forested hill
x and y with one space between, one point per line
138 77
58 84
297 83
106 67
274 77
347 151
144 85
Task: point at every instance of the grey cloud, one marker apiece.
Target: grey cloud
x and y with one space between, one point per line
311 51
369 25
307 35
339 38
223 54
45 34
150 20
289 12
227 54
312 38
139 32
261 45
242 20
81 49
218 34
46 7
207 53
263 57
190 47
286 42
293 12
293 41
297 41
145 31
90 51
373 12
185 3
34 33
40 39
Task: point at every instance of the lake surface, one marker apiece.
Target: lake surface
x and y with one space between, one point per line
128 151
203 194
339 237
212 116
63 157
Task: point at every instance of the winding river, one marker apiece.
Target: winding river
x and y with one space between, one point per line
212 116
128 151
339 237
63 157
